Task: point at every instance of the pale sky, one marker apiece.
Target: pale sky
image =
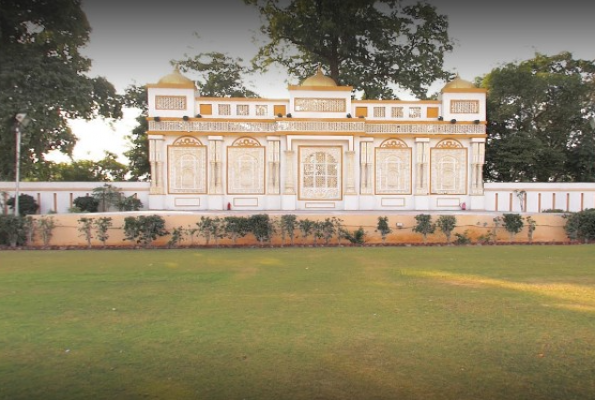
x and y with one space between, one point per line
133 42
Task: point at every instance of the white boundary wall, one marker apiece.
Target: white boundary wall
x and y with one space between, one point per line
502 197
58 196
537 197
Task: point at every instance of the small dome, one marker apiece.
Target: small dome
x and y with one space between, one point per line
319 79
458 83
176 79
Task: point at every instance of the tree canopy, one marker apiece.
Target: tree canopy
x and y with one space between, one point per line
368 44
540 120
105 170
219 75
43 74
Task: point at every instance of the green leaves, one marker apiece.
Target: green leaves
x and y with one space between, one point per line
373 45
538 113
42 73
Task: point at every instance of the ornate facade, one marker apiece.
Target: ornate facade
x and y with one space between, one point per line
317 150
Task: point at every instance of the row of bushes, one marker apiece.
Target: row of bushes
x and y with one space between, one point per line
144 230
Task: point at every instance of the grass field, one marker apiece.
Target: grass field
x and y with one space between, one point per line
495 322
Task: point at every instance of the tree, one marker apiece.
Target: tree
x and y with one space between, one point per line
447 223
368 44
235 227
107 196
27 204
43 74
540 114
424 225
86 204
86 229
306 227
107 169
138 155
102 226
288 224
260 226
513 223
218 74
144 229
383 228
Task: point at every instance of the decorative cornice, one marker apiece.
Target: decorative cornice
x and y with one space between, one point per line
315 126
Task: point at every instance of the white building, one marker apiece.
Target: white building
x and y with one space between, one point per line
318 149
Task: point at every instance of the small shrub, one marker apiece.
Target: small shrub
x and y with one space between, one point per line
27 204
288 225
306 227
580 225
553 210
144 229
235 227
86 229
129 203
12 230
261 227
102 226
447 223
328 230
513 223
462 238
86 204
46 227
107 195
177 236
424 225
383 228
357 237
531 226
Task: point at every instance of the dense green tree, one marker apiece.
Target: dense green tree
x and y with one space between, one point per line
107 169
138 155
368 44
540 114
218 74
43 74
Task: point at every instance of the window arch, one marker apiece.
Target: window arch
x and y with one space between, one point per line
393 167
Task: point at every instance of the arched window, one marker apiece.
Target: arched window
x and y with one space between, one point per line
320 173
187 166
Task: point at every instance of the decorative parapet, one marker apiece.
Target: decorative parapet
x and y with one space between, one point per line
212 126
314 127
468 129
320 126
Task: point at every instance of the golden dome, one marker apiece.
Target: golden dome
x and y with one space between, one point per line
176 79
319 79
458 83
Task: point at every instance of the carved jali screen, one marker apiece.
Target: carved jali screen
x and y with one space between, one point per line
393 168
449 168
187 166
320 173
246 167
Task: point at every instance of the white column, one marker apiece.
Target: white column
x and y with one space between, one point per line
366 165
421 166
289 174
478 160
157 165
274 172
216 163
350 181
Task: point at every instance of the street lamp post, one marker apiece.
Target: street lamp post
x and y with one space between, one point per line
19 118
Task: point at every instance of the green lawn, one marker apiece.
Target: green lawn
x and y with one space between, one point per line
492 322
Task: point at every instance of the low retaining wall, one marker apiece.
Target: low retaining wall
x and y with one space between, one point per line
550 228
